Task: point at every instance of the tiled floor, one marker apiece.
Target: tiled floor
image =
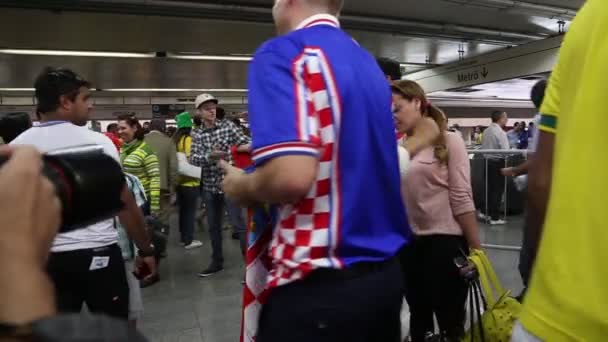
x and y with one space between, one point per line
186 308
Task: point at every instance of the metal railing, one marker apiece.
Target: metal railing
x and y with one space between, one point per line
498 155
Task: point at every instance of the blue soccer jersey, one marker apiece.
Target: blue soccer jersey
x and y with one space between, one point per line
316 92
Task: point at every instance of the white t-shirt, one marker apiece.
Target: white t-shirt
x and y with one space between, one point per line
535 133
58 135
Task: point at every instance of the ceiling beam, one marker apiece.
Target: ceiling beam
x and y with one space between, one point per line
232 12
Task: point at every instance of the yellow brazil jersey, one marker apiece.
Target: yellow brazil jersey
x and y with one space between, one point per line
568 295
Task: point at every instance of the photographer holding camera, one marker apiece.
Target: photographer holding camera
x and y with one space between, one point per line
86 264
28 311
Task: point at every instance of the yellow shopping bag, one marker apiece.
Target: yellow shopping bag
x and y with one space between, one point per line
501 310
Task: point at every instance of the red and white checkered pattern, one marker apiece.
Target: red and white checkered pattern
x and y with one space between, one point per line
259 264
306 234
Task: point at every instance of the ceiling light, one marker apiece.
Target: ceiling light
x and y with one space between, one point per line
76 53
175 90
17 89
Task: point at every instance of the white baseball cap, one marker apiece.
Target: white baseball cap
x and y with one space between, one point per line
202 98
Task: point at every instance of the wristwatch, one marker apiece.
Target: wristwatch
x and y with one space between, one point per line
151 251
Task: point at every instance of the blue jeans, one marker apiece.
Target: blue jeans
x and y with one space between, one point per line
215 215
187 197
236 216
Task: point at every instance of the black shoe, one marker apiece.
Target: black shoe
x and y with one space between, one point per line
211 270
236 236
149 281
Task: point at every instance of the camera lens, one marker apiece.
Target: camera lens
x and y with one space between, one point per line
88 184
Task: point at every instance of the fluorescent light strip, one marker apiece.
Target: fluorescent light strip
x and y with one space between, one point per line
148 89
210 57
122 55
77 53
175 90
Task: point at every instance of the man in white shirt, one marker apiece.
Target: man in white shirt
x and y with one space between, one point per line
85 265
495 138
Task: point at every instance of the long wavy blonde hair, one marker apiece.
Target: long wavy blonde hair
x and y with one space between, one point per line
411 90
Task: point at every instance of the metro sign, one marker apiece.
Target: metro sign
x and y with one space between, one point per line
473 75
529 59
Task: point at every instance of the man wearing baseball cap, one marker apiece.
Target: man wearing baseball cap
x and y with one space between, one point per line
210 143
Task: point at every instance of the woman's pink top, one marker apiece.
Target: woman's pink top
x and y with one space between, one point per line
435 193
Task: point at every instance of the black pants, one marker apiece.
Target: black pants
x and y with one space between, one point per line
433 285
495 188
104 290
333 306
526 260
187 197
215 216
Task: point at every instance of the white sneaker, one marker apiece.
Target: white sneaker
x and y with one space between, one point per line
482 217
194 244
497 222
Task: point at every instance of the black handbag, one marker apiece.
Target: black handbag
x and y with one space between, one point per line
159 233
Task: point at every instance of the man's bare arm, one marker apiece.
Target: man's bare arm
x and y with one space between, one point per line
284 179
539 188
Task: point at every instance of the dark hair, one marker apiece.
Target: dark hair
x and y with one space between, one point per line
13 124
537 95
390 68
220 113
411 90
111 127
171 131
158 125
132 121
52 83
180 133
496 115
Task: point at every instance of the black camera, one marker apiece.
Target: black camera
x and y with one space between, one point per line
88 182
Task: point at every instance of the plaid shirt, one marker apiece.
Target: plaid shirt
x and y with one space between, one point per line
222 136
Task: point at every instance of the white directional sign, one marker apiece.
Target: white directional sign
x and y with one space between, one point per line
523 60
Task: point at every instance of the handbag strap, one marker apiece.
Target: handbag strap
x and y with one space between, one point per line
472 312
478 294
491 274
483 278
492 287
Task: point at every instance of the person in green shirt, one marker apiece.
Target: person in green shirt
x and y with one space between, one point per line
138 159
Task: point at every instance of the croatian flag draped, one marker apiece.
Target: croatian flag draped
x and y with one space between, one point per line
261 220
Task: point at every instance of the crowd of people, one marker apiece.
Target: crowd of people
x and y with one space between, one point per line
86 265
370 192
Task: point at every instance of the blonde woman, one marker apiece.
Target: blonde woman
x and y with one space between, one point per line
439 201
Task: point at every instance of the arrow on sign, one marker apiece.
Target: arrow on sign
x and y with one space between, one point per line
484 72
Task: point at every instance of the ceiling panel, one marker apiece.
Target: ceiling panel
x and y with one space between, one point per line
443 11
120 32
131 73
412 31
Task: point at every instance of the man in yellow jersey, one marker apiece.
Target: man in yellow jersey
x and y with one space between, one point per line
568 295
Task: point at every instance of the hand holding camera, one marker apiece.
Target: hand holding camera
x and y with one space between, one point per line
30 209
